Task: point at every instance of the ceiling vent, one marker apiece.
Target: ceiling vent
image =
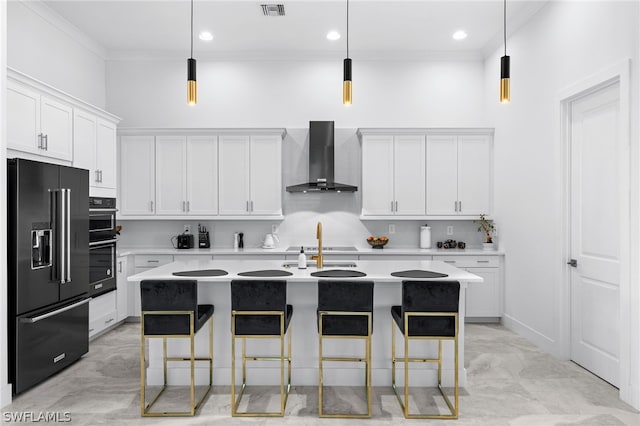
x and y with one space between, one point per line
272 9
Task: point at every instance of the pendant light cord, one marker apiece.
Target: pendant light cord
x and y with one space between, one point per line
505 27
347 28
192 29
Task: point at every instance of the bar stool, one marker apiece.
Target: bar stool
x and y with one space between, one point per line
345 311
259 310
429 311
170 310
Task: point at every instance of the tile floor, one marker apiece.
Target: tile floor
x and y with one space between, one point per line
510 382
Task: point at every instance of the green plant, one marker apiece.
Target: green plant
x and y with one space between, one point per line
487 227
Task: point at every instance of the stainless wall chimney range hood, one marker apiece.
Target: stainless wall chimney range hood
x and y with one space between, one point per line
321 161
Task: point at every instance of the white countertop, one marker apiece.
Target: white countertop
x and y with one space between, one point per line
411 251
375 270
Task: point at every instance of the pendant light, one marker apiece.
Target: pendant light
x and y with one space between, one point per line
192 88
346 84
505 65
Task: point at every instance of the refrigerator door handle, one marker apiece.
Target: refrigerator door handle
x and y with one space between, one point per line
68 236
62 235
54 313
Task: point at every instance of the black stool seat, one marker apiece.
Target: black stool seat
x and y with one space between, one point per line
345 296
172 295
260 295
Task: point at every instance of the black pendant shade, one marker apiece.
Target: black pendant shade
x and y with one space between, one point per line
192 88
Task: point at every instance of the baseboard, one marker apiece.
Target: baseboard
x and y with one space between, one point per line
542 341
306 376
5 395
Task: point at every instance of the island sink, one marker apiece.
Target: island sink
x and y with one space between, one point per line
326 265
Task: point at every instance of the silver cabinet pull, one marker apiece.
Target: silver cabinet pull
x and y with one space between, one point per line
100 174
97 176
247 206
482 261
251 205
449 261
460 206
455 206
109 320
120 266
40 145
151 206
45 139
153 261
188 207
184 209
396 207
392 206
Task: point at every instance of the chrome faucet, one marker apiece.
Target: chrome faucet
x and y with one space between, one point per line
318 258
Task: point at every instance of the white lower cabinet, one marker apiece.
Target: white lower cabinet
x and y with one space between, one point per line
483 300
124 268
102 313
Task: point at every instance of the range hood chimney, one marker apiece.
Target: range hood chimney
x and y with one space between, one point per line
321 161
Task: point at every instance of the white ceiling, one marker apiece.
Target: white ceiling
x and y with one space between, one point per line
377 28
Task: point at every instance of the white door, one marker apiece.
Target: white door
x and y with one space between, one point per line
23 118
595 236
474 175
171 163
56 123
106 153
377 176
409 175
137 175
266 175
202 175
84 144
233 172
442 175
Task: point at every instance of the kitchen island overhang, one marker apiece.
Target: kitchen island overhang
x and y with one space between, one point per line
302 294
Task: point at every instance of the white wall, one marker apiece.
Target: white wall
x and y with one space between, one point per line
564 44
42 45
5 388
290 93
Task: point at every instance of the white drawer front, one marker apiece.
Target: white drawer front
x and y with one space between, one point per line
152 261
470 261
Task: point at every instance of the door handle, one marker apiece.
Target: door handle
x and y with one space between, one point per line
573 263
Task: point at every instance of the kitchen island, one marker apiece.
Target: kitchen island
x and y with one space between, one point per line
302 294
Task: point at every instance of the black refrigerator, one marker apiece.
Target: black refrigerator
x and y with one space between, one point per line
48 269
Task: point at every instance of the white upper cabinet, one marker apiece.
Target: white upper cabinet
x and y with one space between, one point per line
202 175
38 124
186 175
137 176
393 175
94 149
250 171
459 174
171 164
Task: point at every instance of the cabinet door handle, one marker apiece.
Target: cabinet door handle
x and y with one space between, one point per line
251 205
100 176
97 176
109 320
184 209
40 146
460 206
455 206
153 261
120 266
449 261
246 207
151 205
46 142
188 207
482 261
392 206
396 207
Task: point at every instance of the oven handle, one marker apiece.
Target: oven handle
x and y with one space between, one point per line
103 242
91 210
56 312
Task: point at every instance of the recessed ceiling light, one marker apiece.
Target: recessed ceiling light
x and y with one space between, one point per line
206 36
333 35
459 35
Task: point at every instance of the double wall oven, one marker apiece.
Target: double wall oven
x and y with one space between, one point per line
102 245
